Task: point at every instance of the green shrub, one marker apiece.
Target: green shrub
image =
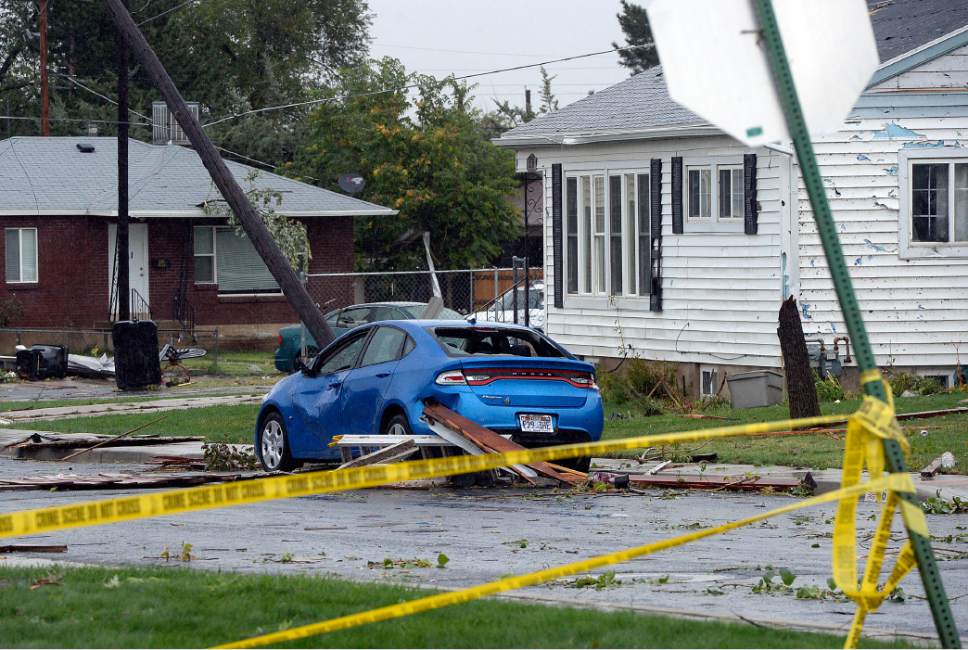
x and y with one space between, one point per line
637 383
906 381
828 388
10 311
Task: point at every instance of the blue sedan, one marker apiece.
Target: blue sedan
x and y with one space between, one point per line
375 379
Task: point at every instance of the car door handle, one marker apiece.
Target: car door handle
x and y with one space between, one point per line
335 384
381 375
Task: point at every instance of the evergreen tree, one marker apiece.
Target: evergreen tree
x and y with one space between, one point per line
638 35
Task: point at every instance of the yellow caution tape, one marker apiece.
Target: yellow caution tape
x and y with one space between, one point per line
144 506
867 429
891 482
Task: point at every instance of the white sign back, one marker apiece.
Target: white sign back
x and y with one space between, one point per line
714 62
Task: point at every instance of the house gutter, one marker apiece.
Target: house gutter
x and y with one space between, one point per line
919 55
571 139
188 214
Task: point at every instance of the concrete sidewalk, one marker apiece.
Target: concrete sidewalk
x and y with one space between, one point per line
145 406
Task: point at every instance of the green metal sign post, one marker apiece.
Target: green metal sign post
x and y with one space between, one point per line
894 457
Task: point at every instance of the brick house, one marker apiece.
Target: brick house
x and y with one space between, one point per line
58 213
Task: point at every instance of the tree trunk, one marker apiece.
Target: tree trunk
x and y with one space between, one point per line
801 389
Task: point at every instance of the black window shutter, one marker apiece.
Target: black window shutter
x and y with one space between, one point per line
556 234
677 195
750 206
655 235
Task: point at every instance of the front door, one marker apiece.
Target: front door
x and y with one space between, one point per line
137 269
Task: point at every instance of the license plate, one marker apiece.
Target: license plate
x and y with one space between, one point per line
531 423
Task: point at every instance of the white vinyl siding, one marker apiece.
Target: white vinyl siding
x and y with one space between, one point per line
721 290
237 267
20 255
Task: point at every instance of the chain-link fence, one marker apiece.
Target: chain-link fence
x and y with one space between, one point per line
466 291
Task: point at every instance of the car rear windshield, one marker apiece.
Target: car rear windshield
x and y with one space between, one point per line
485 341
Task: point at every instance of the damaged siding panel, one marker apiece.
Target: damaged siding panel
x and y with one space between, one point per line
721 291
916 310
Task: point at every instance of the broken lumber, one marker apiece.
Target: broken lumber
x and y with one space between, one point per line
459 440
944 461
931 414
34 548
487 439
392 454
705 482
115 439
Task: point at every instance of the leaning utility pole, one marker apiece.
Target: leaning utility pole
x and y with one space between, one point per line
44 90
122 255
251 222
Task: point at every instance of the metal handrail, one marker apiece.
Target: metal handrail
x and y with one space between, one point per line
139 306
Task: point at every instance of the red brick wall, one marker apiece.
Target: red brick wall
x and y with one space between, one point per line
331 241
73 285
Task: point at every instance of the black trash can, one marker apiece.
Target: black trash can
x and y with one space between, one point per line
42 362
136 363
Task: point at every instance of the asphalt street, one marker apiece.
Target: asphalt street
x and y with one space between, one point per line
488 533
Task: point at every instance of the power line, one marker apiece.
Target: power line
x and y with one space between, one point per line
37 118
435 49
311 102
166 12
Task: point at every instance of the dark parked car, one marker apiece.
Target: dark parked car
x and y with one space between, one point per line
343 320
375 380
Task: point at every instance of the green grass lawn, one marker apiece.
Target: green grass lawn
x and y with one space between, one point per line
179 608
225 423
234 363
946 433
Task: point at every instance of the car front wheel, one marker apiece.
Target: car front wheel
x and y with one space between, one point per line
273 445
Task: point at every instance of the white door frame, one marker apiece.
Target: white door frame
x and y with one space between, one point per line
137 266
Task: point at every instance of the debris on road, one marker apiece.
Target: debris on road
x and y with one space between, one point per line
393 453
113 441
126 480
942 462
34 548
222 457
490 441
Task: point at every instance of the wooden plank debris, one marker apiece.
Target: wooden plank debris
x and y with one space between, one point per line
706 482
459 440
390 454
114 440
489 440
34 548
944 461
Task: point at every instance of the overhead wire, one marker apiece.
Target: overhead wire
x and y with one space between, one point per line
167 11
324 100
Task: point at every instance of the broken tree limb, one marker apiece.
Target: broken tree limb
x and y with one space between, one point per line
114 439
393 453
486 438
701 482
255 228
801 389
34 548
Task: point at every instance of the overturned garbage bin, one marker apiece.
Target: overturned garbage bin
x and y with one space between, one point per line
136 363
42 362
756 388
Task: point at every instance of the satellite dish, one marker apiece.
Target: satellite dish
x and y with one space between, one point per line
351 183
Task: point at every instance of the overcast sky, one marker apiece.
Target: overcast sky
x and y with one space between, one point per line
440 37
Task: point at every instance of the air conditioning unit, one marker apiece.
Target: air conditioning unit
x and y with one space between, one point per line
164 127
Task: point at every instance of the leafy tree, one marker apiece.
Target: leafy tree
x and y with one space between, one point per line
229 55
422 152
638 34
549 103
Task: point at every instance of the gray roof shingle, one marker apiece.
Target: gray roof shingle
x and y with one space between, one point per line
904 25
51 176
642 102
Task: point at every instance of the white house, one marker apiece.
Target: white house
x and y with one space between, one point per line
670 240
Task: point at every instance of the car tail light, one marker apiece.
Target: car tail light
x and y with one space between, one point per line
280 340
484 376
584 381
451 378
